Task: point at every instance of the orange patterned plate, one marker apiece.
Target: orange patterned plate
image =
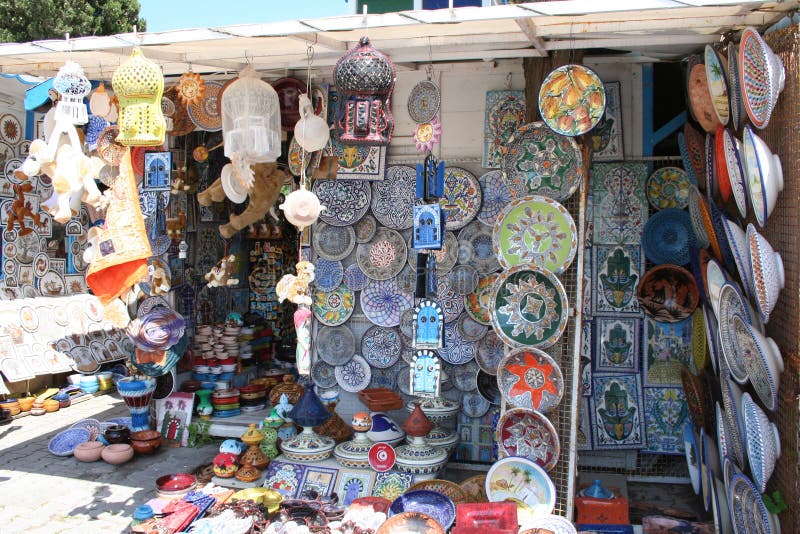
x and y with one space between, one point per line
449 489
475 488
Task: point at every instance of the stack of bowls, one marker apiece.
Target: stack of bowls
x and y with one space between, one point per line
226 402
12 405
104 380
62 398
51 405
253 397
26 403
37 408
89 384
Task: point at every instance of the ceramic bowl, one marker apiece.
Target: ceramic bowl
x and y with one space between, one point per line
763 361
717 84
767 271
51 405
215 369
763 174
714 278
145 441
202 369
88 451
117 453
747 509
761 76
763 442
732 402
692 455
700 99
719 505
228 368
175 485
26 403
732 149
117 434
738 244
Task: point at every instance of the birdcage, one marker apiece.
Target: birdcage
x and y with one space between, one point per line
251 119
72 85
139 85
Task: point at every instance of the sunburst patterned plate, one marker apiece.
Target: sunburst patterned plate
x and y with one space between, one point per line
495 196
383 302
529 378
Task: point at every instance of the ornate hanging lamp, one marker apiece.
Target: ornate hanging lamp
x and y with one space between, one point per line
139 85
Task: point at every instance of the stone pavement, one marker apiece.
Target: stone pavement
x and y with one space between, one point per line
43 493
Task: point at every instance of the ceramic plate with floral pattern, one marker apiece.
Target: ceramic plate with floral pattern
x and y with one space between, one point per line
572 100
529 378
528 433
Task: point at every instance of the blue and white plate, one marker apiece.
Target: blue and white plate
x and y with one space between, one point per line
496 196
333 242
354 375
354 278
383 302
322 373
432 503
381 346
64 443
456 350
327 274
748 512
335 344
473 404
393 198
667 236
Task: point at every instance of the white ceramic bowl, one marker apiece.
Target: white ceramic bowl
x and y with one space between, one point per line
763 173
763 361
738 243
202 369
767 272
228 367
763 442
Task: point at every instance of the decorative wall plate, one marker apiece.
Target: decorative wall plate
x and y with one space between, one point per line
383 302
333 242
323 374
700 99
490 350
768 273
475 248
393 198
535 230
734 86
699 341
452 303
446 257
456 350
539 161
761 77
619 207
10 129
667 237
461 200
477 303
731 304
700 217
354 278
205 112
424 101
346 200
529 307
335 345
327 274
523 480
365 228
384 256
504 112
433 503
731 148
496 196
529 378
470 329
463 279
572 100
333 308
381 346
529 434
711 185
354 375
465 377
747 509
668 187
473 404
732 402
762 360
686 158
668 293
411 523
717 84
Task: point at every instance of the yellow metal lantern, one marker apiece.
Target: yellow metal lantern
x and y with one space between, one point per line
139 86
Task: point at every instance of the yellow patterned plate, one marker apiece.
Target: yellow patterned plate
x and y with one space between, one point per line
449 489
475 488
572 100
699 352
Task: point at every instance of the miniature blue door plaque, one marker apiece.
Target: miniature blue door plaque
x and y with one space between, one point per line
428 326
426 369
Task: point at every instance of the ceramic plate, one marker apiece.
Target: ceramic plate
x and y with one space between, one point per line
477 303
572 100
473 404
461 200
411 523
732 304
452 303
686 159
539 161
463 279
764 377
699 351
713 279
668 293
529 378
470 329
333 308
383 302
667 237
465 377
731 148
354 375
475 248
692 452
335 345
521 479
432 503
490 352
381 346
529 434
446 257
346 200
748 512
717 84
456 350
393 198
731 400
424 101
365 228
537 231
64 443
668 187
323 374
548 523
495 196
333 242
529 307
696 147
327 274
757 78
384 256
734 87
700 98
354 278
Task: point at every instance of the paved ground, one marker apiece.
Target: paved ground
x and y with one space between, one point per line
43 493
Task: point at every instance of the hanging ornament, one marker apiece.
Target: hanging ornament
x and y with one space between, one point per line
311 131
428 135
100 102
301 208
139 85
190 88
73 86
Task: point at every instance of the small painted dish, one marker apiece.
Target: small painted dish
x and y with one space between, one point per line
668 187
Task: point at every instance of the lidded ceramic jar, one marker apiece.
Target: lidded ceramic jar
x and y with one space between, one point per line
308 445
417 456
289 387
355 453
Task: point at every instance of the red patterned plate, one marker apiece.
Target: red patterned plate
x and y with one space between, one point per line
527 433
668 293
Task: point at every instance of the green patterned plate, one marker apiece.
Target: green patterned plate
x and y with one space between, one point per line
529 307
537 160
535 230
333 308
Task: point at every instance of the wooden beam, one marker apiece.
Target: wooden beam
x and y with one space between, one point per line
156 53
634 42
528 27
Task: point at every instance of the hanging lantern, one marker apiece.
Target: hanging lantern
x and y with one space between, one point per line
311 131
72 85
301 208
364 78
139 86
251 119
100 102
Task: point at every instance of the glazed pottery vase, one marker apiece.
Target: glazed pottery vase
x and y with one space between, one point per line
269 445
137 394
355 453
117 434
204 407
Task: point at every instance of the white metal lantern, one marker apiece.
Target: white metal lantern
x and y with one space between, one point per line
73 86
251 119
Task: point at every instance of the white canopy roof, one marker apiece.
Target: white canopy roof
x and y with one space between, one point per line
650 28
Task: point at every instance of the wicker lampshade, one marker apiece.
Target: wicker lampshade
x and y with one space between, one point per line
251 119
72 85
139 84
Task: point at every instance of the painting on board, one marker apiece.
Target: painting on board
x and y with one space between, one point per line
173 415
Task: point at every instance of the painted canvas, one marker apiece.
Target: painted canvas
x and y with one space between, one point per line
616 342
353 486
666 412
317 482
606 138
284 478
667 348
617 271
616 410
505 112
358 162
173 415
619 203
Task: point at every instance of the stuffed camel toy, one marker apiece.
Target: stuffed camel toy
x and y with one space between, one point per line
268 180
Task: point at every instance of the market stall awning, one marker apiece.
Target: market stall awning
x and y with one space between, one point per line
649 28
